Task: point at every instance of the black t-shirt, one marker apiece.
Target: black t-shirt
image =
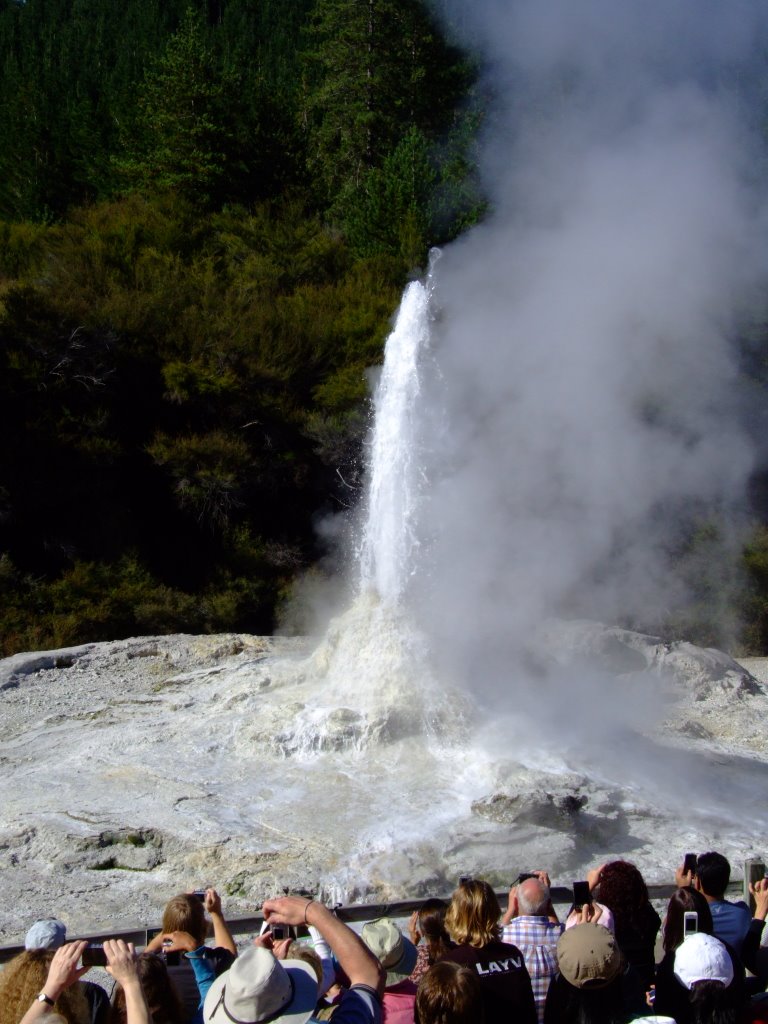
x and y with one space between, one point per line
504 980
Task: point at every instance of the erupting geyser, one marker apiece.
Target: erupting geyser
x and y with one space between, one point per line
395 476
560 400
374 680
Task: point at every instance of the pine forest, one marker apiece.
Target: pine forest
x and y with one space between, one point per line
208 211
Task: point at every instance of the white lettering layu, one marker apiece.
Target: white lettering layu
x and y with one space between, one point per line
499 966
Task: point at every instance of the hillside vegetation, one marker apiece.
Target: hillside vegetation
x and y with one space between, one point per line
207 213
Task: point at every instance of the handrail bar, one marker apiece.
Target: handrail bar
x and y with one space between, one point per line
140 935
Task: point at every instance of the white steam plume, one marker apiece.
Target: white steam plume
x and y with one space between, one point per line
585 329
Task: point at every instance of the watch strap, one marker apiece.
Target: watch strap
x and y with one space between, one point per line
43 998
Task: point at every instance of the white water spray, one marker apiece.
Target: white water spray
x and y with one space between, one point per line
389 541
374 682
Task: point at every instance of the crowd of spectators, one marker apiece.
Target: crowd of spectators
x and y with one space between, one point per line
610 961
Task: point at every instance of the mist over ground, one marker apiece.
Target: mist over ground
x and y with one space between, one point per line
578 445
591 412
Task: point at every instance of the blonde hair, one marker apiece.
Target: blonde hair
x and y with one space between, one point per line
185 913
25 976
473 916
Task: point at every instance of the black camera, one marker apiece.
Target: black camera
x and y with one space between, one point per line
581 894
94 956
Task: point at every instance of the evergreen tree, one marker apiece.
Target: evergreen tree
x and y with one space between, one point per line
377 68
391 212
182 132
385 97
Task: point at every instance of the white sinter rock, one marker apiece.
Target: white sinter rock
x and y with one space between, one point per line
139 768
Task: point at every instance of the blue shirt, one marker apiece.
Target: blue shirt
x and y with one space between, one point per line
730 922
359 1005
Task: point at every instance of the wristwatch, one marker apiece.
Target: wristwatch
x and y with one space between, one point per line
43 998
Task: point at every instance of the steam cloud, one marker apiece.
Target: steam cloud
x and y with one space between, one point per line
589 386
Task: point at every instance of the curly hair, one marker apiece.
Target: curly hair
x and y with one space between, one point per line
159 990
25 976
622 889
473 916
185 913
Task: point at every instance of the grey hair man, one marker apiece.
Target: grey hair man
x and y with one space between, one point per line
530 923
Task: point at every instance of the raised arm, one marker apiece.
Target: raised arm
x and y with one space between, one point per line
512 906
121 964
62 972
751 944
221 933
354 957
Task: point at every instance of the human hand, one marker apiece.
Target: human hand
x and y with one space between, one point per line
413 928
759 890
683 878
543 877
63 970
121 960
593 876
179 942
513 906
650 996
212 902
281 947
589 913
287 910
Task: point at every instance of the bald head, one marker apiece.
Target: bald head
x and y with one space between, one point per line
533 897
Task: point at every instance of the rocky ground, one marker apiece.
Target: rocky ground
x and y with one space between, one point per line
133 769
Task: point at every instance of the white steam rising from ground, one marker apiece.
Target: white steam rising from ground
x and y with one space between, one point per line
588 378
560 404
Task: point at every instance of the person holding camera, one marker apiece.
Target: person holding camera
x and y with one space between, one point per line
64 973
426 929
687 914
754 955
192 964
261 987
530 923
620 887
49 933
710 877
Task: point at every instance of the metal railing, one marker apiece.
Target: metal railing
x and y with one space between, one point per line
561 896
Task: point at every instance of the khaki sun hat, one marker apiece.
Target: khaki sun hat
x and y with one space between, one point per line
396 954
588 956
258 987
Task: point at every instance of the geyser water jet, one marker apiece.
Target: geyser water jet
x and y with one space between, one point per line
374 678
395 477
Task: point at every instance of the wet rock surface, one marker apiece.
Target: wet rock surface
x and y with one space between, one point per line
139 768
